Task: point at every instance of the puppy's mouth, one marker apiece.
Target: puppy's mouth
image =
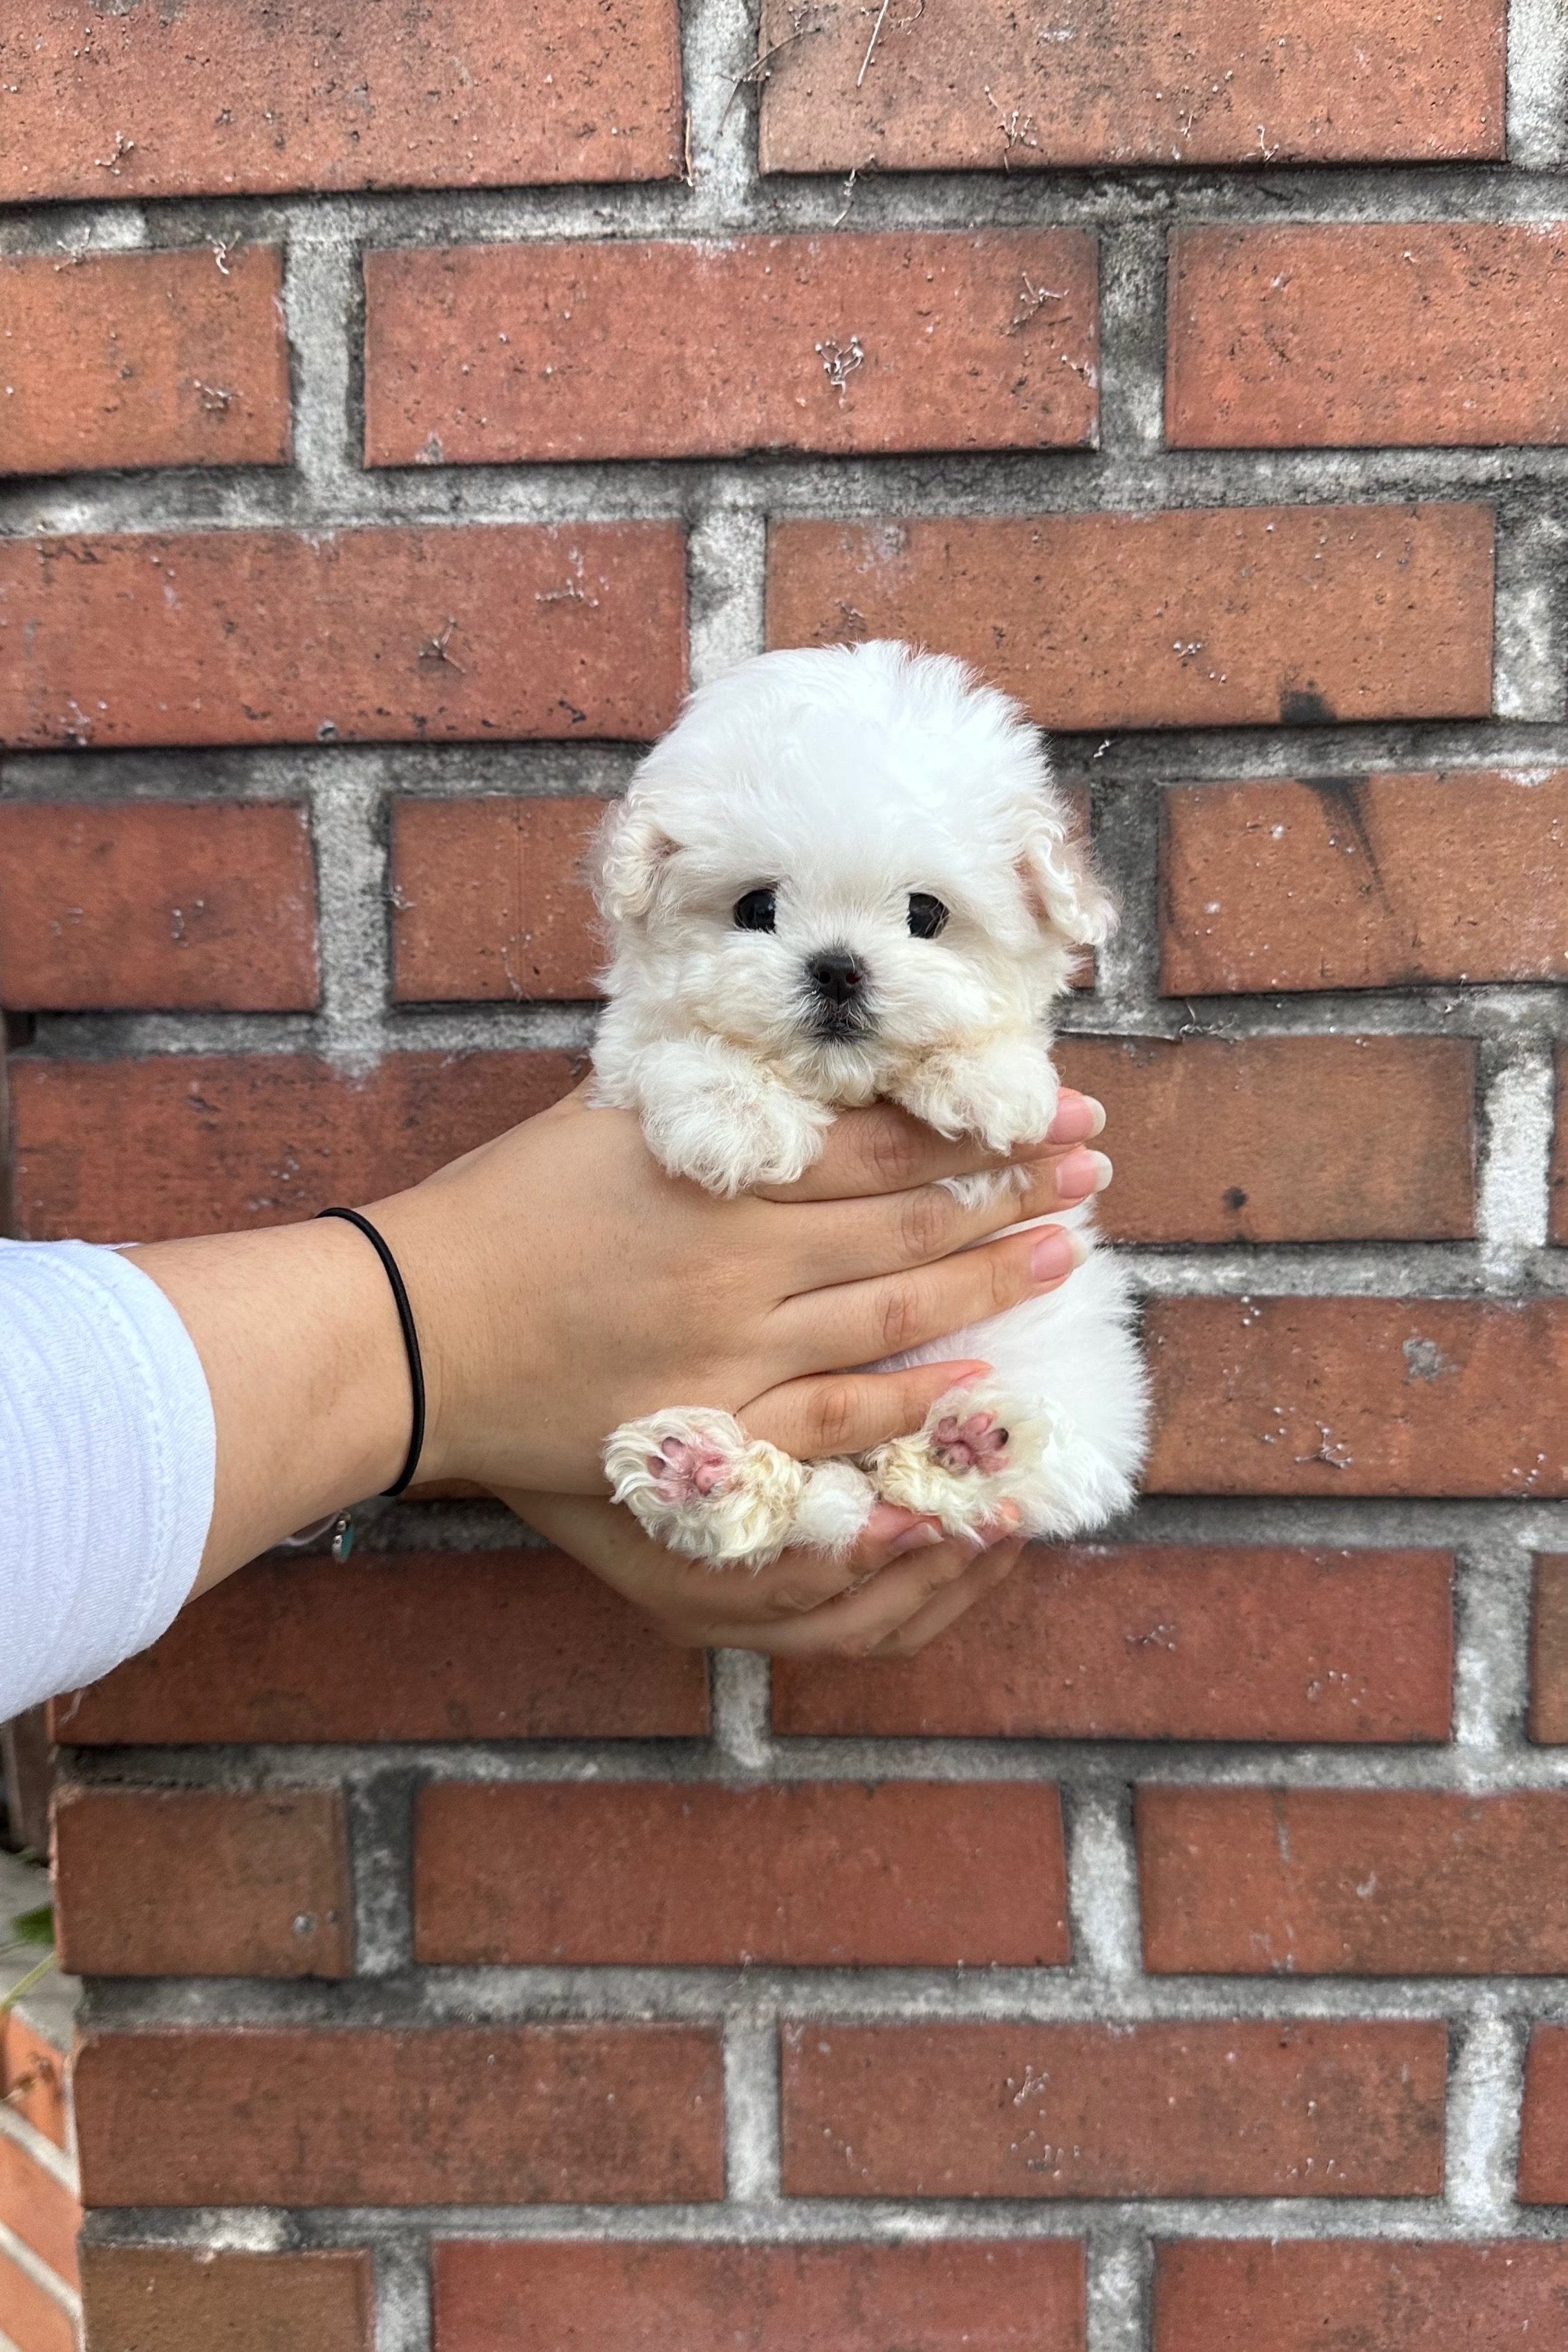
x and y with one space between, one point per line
838 1024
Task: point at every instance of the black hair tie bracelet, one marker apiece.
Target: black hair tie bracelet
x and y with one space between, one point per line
410 1341
341 1524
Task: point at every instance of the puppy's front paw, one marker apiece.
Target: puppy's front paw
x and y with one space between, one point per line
732 1137
703 1488
1005 1096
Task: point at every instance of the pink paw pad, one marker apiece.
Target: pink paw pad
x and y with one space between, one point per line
973 1444
684 1471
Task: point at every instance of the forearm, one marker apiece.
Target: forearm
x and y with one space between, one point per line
298 1337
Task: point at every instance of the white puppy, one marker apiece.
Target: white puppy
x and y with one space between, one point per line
844 875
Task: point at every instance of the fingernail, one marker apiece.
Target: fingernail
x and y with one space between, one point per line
1083 1173
919 1538
1056 1254
1078 1121
890 1526
964 1376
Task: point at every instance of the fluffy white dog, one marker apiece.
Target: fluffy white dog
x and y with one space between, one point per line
844 875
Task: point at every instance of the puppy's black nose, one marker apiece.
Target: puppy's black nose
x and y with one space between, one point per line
835 976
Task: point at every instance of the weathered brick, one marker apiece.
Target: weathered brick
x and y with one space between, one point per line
33 2078
1543 2138
34 2320
1298 2109
392 634
823 1873
145 101
1198 1127
1232 617
1382 881
1350 1882
938 340
1357 2296
1366 335
982 86
957 2296
142 359
171 2299
1171 1642
1549 1652
399 1645
39 2210
490 899
204 905
438 2115
1358 1396
207 1142
200 1882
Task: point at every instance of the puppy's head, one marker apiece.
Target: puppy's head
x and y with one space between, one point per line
845 858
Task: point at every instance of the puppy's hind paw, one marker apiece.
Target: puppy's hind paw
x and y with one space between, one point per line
977 1452
702 1487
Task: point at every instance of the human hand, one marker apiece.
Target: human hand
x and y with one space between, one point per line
880 1602
563 1283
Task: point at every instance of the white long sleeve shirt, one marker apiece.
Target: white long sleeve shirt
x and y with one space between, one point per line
107 1455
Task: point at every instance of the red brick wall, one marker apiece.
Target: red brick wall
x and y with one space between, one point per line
396 415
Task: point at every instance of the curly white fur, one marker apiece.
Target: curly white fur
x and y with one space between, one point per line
847 784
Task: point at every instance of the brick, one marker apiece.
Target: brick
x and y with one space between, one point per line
1235 617
399 1645
985 87
206 1142
1357 2296
394 635
1549 1652
38 2209
1385 335
822 1874
1164 1642
199 1882
33 2319
202 905
170 2299
956 2296
142 359
1308 2109
1543 2136
1201 1121
1353 881
33 2078
489 899
442 2116
1337 1882
1358 1396
940 340
467 93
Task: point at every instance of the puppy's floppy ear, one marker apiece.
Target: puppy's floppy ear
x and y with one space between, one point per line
1061 883
629 859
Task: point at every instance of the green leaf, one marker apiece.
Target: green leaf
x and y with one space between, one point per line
34 1926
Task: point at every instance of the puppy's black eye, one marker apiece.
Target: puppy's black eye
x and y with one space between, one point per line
757 912
928 915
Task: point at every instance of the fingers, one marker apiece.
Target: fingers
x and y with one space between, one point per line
851 1241
883 1149
884 1607
882 1601
946 1607
849 1412
699 1606
861 1322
